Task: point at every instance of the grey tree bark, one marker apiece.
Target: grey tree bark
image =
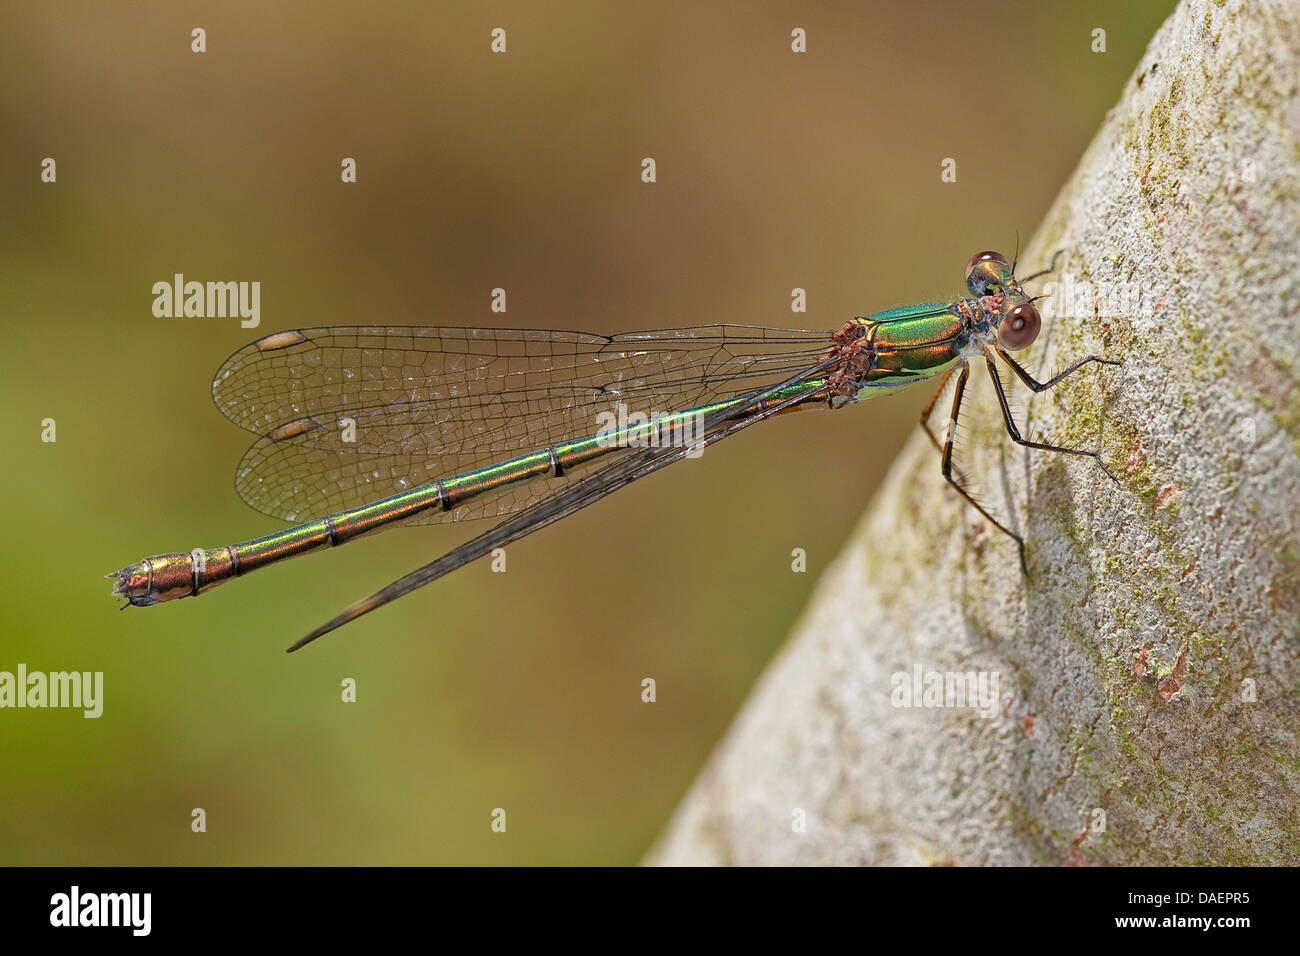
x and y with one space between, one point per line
1148 693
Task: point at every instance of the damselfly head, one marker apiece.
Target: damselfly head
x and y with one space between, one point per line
988 273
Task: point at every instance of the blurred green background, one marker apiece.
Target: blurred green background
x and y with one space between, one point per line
517 690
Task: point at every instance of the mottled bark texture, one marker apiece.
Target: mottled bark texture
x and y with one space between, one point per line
1181 231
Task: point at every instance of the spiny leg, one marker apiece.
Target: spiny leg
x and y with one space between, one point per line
929 407
947 467
1038 386
1043 272
1014 432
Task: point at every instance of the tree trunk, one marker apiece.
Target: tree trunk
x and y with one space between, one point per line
1145 672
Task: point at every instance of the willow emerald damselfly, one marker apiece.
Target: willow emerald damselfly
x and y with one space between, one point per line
368 428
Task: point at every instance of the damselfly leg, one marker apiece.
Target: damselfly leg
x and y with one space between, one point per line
1038 386
1014 432
953 475
1042 272
956 481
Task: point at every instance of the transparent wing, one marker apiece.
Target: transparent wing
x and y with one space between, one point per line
636 464
348 415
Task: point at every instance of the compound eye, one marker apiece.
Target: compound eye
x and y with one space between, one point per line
986 272
1019 329
985 257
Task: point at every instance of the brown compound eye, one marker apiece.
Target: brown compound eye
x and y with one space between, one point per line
987 272
985 257
1019 329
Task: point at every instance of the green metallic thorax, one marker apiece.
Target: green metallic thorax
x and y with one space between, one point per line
914 341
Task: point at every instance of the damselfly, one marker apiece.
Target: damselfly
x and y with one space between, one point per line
374 428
